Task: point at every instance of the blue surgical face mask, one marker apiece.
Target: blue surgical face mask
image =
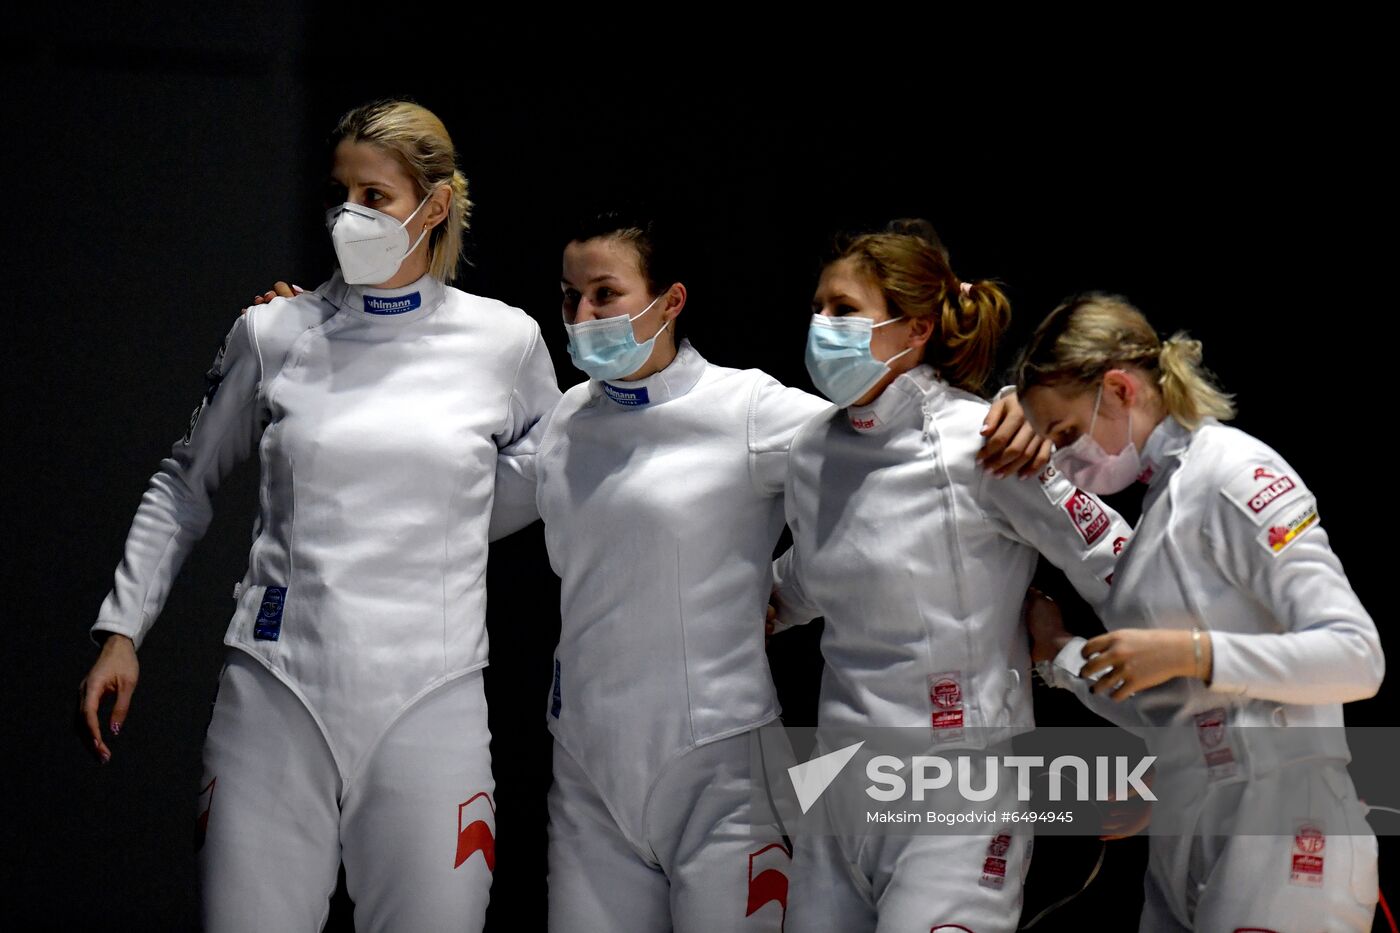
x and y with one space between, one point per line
607 348
839 360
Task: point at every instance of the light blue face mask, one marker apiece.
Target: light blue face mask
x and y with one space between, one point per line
607 348
839 360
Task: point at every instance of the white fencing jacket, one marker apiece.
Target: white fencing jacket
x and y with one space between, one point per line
1230 536
377 416
919 560
662 503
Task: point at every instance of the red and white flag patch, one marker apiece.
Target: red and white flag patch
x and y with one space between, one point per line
206 803
475 818
768 878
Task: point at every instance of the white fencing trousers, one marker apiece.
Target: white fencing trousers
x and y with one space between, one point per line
415 825
908 883
1316 881
702 867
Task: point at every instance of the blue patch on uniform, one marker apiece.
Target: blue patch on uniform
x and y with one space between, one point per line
558 702
631 397
268 626
376 304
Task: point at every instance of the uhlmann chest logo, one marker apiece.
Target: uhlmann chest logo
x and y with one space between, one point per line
377 304
973 778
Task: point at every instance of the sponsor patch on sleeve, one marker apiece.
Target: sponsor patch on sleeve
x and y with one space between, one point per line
1053 483
1288 526
1261 491
1088 516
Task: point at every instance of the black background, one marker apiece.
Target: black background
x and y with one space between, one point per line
163 166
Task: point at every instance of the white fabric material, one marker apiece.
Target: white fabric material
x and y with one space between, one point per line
378 435
1290 639
920 560
416 830
701 867
660 519
1230 536
1213 879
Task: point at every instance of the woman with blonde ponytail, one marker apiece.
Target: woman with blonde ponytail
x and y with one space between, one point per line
919 560
1229 614
350 725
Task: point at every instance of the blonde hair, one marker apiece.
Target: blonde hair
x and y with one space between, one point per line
910 265
417 138
1088 335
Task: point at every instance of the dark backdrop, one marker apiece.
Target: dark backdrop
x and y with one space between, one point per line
163 168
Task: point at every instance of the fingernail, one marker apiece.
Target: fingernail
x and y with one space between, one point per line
116 728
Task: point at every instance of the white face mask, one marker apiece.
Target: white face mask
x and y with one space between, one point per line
370 244
1093 469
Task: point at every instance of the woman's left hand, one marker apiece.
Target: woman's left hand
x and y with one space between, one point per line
1011 444
1132 660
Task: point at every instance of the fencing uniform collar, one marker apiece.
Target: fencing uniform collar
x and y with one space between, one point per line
678 378
386 304
901 396
1162 452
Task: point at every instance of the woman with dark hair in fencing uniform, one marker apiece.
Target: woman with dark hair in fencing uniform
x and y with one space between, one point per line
350 724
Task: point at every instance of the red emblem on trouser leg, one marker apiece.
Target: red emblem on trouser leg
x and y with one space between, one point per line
206 802
767 881
474 834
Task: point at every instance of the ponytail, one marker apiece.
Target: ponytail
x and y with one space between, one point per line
1088 335
417 138
909 264
972 320
1187 390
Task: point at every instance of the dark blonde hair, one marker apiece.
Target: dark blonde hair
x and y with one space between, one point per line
1090 334
909 264
417 138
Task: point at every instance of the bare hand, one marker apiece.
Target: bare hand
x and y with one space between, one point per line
770 620
279 290
1045 624
1132 660
116 671
1011 444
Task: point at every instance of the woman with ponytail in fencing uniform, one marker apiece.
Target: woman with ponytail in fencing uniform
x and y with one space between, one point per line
919 561
660 483
350 723
1229 614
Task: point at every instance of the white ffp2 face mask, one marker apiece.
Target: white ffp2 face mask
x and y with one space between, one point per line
1094 469
370 244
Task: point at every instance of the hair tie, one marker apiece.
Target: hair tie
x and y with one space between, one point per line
965 287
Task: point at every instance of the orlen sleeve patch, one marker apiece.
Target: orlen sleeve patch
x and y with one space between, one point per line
1088 516
1279 535
1261 491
